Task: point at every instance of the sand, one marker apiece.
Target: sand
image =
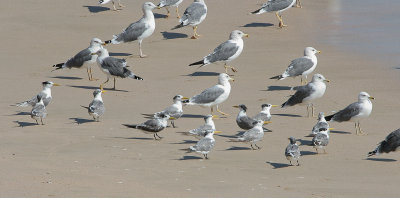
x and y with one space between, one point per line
71 156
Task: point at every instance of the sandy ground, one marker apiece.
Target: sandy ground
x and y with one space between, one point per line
71 156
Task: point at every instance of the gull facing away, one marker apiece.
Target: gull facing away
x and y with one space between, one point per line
391 143
243 121
138 30
214 95
84 58
354 112
167 3
96 107
277 6
193 16
39 110
301 66
152 126
321 139
292 151
322 123
253 135
45 95
205 144
226 51
113 67
102 2
202 130
306 94
175 110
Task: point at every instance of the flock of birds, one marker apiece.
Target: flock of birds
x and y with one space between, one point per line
211 97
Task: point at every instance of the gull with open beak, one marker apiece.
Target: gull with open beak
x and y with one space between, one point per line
153 126
96 107
45 95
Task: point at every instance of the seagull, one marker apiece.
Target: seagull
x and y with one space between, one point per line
292 151
174 110
253 135
226 51
152 126
205 144
306 94
193 16
138 30
39 110
301 66
84 58
113 67
277 6
264 114
354 112
321 139
214 95
106 1
166 3
96 107
45 94
243 121
207 126
322 123
391 143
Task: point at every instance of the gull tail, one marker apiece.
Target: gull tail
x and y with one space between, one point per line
259 11
59 66
133 76
197 63
22 104
131 125
279 77
329 118
85 107
114 40
107 42
178 26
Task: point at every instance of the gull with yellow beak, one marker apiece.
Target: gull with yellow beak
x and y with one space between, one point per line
153 125
194 14
102 2
277 6
225 52
175 110
167 3
45 95
214 95
265 114
243 120
96 107
205 144
252 135
200 131
354 112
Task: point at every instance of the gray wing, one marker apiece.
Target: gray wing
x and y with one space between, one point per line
391 142
252 135
347 113
245 122
298 66
223 52
200 131
292 150
151 125
116 67
173 111
298 97
276 5
79 59
208 95
320 125
39 111
320 140
205 144
193 13
132 32
97 107
168 2
262 117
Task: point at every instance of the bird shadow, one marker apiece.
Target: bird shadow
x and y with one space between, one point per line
192 116
231 136
258 25
203 74
25 124
277 165
186 142
190 157
81 120
304 153
20 113
159 16
286 115
93 88
237 148
340 132
173 35
381 159
305 142
67 77
119 54
135 138
96 9
278 88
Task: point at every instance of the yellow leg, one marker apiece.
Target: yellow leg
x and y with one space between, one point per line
168 13
232 68
102 85
89 70
114 83
115 9
177 12
225 114
298 4
212 111
120 5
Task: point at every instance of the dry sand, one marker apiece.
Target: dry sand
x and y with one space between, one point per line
105 159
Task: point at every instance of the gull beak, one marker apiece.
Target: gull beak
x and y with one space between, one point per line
215 117
217 131
236 106
274 105
185 98
246 35
326 80
230 78
372 98
103 91
158 7
172 118
55 84
267 122
104 44
93 54
318 51
331 129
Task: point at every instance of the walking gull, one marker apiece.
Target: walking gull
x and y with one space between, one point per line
107 1
167 3
84 58
138 30
152 126
193 16
391 143
321 139
175 110
277 6
226 52
243 120
292 151
202 130
301 66
96 107
214 95
39 110
305 94
45 95
253 135
354 112
113 67
205 144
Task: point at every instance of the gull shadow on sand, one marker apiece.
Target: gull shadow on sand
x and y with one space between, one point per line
20 113
381 159
190 157
304 153
340 132
186 142
81 120
67 77
159 16
277 165
203 74
286 115
93 88
135 138
231 136
119 54
237 148
305 142
25 124
96 9
277 88
192 116
173 35
258 25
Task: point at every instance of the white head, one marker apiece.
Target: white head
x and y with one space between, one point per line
321 116
148 6
236 34
102 52
309 51
98 92
96 42
49 84
224 78
364 96
267 107
319 78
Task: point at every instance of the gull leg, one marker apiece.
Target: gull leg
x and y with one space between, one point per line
102 85
252 147
195 35
281 25
232 68
298 4
37 122
298 164
177 12
205 156
90 73
173 124
155 138
115 9
360 130
168 13
114 83
290 162
308 111
120 5
257 146
158 136
212 111
41 120
225 114
312 109
140 50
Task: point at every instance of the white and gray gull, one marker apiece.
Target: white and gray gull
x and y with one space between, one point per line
390 144
45 94
113 67
277 6
226 51
322 123
243 120
96 107
153 125
301 66
193 16
138 30
167 3
306 94
292 151
39 110
84 58
321 139
265 113
201 131
354 112
214 95
102 2
175 110
252 136
205 144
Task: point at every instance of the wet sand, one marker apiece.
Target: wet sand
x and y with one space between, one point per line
71 156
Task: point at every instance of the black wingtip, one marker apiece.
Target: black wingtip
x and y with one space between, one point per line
107 42
185 101
137 77
255 12
276 77
130 125
85 107
197 63
178 26
329 118
59 65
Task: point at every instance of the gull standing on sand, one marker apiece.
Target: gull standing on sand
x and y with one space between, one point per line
84 58
39 110
214 95
167 3
322 123
321 139
96 107
113 67
265 114
152 126
306 94
138 30
354 112
202 130
45 95
102 2
301 66
193 16
277 6
292 151
391 143
244 121
253 135
205 144
175 110
226 51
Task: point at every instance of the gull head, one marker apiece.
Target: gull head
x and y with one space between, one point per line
97 92
96 42
236 34
364 96
49 84
292 140
223 78
321 115
309 51
149 6
319 78
242 107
